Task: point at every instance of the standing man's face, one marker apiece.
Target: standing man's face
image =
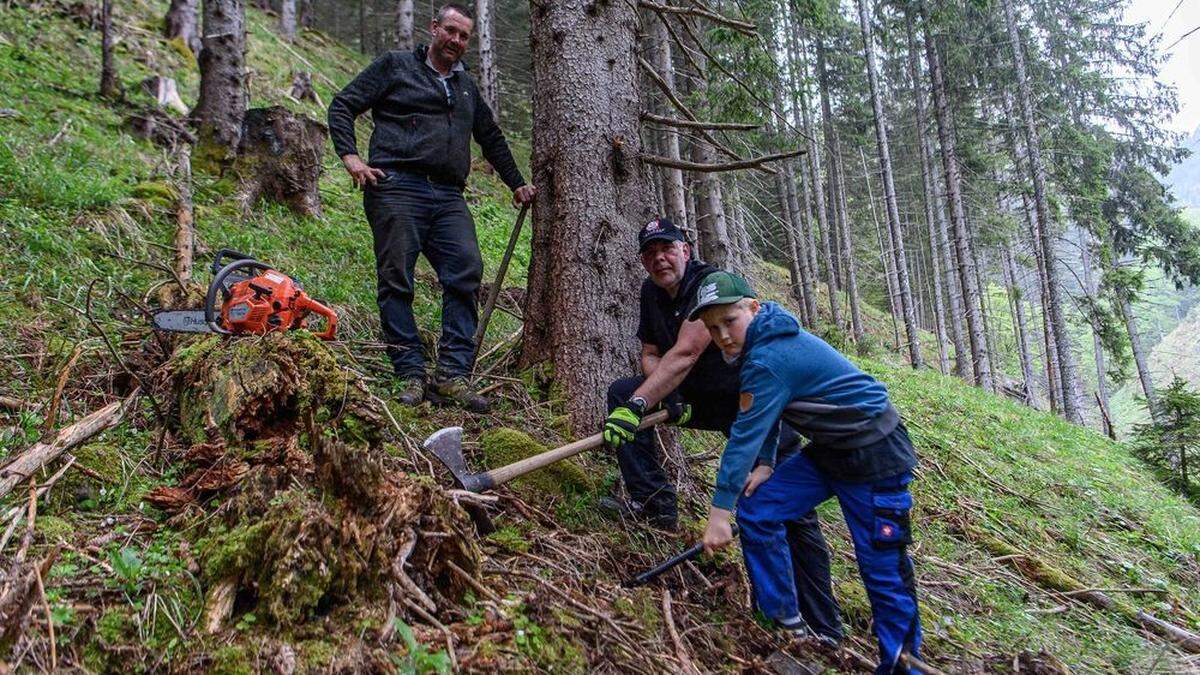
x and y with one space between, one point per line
450 36
665 262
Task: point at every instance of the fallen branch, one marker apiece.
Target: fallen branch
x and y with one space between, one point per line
696 124
752 163
16 514
219 604
40 454
185 230
685 662
17 405
1054 579
56 400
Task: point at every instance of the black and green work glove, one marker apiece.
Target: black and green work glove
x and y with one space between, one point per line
622 422
678 414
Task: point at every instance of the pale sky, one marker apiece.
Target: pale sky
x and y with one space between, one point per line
1183 67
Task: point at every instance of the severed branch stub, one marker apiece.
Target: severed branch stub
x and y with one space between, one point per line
752 163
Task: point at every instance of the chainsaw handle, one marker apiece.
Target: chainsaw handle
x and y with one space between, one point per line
210 301
309 305
218 259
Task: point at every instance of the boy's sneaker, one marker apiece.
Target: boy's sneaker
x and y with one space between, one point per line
458 391
412 390
797 627
615 507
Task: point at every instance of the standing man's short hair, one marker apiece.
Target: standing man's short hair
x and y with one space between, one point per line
453 7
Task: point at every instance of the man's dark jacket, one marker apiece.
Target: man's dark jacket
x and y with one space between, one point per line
417 128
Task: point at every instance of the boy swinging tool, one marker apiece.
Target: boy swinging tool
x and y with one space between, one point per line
254 299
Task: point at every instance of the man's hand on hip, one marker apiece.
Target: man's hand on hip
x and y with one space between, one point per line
360 172
524 195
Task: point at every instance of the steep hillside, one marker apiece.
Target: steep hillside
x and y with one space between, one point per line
1024 523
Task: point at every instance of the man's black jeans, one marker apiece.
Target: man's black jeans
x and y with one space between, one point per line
647 481
410 215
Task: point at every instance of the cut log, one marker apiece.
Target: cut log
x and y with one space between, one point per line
40 454
302 88
279 158
165 93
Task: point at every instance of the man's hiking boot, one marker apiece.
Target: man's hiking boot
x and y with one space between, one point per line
621 509
458 391
412 390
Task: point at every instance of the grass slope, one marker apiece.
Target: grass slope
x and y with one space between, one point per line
76 190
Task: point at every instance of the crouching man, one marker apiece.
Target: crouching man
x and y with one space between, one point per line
682 368
860 453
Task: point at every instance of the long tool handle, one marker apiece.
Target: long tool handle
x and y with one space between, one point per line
495 292
657 571
506 473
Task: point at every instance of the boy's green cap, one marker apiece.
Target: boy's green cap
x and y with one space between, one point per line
720 288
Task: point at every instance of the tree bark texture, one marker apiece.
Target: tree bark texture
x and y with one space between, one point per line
958 218
835 308
804 238
108 74
930 202
810 166
1139 353
1068 371
279 158
223 98
1053 388
581 308
489 69
900 260
1091 287
1019 324
673 192
182 23
404 25
287 19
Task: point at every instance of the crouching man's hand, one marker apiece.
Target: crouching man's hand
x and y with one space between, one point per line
719 532
524 195
622 423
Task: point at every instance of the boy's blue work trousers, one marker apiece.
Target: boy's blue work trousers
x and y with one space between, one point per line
411 215
878 518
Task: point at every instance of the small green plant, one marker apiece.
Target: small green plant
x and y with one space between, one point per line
418 659
128 567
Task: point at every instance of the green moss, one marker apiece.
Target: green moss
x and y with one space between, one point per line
505 446
315 655
642 606
53 528
512 538
232 660
224 553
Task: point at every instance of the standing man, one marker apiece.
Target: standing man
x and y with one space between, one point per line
426 109
684 369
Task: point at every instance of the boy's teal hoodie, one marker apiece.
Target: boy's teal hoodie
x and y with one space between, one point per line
788 372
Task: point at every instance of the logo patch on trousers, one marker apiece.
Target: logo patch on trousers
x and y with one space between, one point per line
745 401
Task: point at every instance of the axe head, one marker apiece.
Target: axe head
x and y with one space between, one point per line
446 445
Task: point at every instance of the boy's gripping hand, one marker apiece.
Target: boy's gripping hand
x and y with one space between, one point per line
719 533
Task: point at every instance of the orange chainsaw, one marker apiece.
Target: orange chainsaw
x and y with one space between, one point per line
248 297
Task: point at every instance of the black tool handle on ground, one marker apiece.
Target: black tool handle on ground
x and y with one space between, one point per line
494 293
657 571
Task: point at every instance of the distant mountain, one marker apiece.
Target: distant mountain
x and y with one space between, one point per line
1184 179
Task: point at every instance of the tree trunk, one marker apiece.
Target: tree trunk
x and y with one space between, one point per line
953 180
1066 358
793 250
930 201
804 238
279 158
306 14
885 257
222 103
583 283
287 19
404 25
1091 288
1053 389
1139 353
181 24
1019 324
489 69
900 261
835 308
108 74
673 191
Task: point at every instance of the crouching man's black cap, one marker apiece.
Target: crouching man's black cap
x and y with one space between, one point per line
659 229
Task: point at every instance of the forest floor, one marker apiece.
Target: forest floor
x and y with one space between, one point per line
1023 522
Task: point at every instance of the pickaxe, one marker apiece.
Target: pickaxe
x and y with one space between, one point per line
657 571
446 445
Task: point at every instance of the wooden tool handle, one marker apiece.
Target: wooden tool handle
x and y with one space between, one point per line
507 473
